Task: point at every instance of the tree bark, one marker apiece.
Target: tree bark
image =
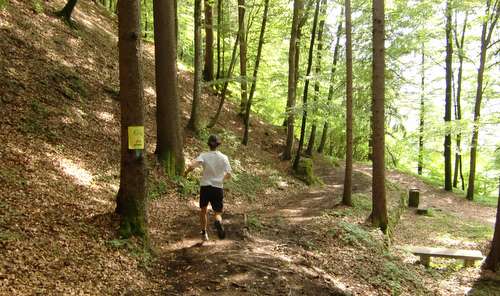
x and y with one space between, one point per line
332 80
306 88
346 195
312 135
379 209
194 121
298 6
219 32
491 20
226 84
208 70
493 260
243 55
66 12
255 71
447 107
422 115
131 198
169 145
458 107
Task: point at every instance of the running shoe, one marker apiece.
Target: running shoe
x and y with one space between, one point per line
204 235
220 229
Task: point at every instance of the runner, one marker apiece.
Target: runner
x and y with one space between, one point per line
216 169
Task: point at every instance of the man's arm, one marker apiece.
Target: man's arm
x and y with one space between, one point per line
196 163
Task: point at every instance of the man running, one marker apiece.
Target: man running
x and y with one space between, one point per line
216 169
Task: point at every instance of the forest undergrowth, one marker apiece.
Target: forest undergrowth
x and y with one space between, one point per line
59 175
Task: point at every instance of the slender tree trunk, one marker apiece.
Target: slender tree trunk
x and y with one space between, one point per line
219 32
422 116
208 70
332 80
131 198
226 84
298 6
169 146
194 121
379 209
493 260
458 107
243 55
306 88
255 71
447 114
66 12
491 20
312 135
176 25
346 195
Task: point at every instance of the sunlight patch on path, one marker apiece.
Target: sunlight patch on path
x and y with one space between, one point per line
79 174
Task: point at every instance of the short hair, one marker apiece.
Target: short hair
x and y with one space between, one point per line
213 141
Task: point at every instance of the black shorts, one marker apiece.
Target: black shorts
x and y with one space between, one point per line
214 195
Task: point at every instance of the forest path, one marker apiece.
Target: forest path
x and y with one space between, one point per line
270 251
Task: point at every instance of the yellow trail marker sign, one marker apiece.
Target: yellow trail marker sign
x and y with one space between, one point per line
135 137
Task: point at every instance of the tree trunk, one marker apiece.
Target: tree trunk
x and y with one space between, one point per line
332 79
458 107
226 84
379 209
346 195
306 88
66 12
298 6
447 114
194 121
219 32
493 260
255 70
243 55
422 116
169 146
312 135
208 70
131 198
491 20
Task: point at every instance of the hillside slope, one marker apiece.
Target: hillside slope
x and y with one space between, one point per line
59 164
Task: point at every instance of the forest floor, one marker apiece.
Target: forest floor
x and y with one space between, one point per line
59 174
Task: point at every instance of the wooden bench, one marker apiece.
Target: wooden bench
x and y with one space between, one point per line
469 256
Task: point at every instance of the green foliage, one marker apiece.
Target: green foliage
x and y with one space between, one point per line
35 122
355 235
305 171
246 184
186 186
3 4
393 275
157 189
37 6
253 222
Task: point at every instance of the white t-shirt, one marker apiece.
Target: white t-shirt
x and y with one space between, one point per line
215 166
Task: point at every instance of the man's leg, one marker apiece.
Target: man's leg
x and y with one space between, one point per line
203 218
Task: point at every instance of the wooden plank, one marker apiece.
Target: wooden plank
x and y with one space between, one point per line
446 253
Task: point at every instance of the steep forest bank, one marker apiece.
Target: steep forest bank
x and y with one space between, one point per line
59 175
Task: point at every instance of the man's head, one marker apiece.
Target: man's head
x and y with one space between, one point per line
213 142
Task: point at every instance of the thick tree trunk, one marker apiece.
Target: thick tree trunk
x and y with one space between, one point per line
194 121
208 70
131 199
298 6
492 262
169 145
66 12
243 55
491 20
255 71
332 80
447 107
379 209
422 115
458 107
312 135
306 88
346 195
